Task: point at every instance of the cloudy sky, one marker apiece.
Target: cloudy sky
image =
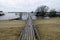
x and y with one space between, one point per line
27 5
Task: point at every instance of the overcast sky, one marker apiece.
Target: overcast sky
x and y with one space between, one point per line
27 5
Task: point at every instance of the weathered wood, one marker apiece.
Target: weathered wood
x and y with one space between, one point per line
28 32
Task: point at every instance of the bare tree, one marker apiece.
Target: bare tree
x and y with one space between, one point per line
41 11
52 13
20 15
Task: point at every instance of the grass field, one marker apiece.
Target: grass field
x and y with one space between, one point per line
48 29
9 30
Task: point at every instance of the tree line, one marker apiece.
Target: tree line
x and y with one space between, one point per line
42 11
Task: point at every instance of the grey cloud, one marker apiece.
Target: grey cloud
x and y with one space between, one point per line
27 5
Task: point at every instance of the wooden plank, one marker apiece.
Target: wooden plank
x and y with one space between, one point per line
28 33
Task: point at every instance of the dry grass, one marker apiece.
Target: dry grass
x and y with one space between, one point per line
10 30
48 29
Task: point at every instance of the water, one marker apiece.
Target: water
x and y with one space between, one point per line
9 16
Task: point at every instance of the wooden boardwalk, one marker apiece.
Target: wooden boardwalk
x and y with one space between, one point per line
29 32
